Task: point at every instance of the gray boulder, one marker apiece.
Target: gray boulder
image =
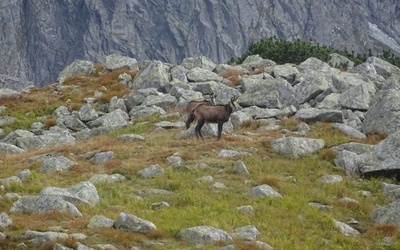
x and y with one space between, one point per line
240 168
383 115
71 122
388 214
164 101
308 90
117 103
99 221
267 93
350 131
322 115
238 118
202 235
358 97
254 62
102 157
198 62
131 223
133 99
178 74
226 153
44 204
383 68
246 233
99 178
263 191
6 148
40 238
346 229
11 138
61 112
81 193
130 137
151 172
6 120
115 61
5 220
57 163
87 113
10 180
286 71
344 81
296 147
143 111
77 67
356 147
155 75
202 75
55 136
391 191
114 118
331 101
339 61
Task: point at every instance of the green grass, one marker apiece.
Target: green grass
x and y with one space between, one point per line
287 223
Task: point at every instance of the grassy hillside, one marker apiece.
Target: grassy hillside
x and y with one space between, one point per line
287 223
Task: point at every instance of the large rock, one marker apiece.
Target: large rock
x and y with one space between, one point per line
383 68
115 118
388 214
321 115
44 204
115 61
267 93
198 62
53 137
155 75
383 115
57 163
132 223
296 147
263 191
6 148
81 193
77 67
202 235
202 75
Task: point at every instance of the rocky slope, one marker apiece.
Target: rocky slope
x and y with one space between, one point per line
39 38
311 91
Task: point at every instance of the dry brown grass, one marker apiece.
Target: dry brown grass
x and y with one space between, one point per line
375 138
289 123
270 180
234 77
385 230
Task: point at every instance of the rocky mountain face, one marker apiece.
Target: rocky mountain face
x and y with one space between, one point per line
39 38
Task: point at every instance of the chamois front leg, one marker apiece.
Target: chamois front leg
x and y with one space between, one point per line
189 120
219 130
198 127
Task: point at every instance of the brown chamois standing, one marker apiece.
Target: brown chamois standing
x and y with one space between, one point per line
192 105
213 114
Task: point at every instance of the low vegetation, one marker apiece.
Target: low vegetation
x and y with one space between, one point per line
283 51
287 223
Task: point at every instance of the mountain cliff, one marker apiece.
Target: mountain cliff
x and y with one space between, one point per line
39 38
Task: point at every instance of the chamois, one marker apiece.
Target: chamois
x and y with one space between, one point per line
213 114
192 105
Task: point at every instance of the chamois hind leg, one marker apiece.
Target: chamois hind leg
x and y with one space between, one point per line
199 125
189 120
219 131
